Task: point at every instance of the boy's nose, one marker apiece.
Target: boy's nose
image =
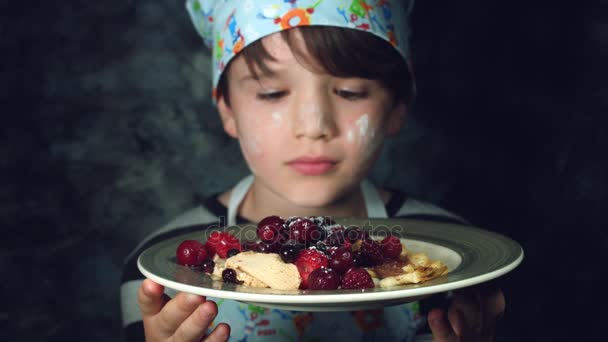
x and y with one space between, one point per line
313 120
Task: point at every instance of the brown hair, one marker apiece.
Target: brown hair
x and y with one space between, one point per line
340 52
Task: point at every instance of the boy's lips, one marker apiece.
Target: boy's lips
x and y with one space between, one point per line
312 166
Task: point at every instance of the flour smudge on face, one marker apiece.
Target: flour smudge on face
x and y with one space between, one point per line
368 138
277 118
363 124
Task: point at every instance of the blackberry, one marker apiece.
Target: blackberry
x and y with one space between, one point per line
360 260
207 266
289 251
229 276
320 246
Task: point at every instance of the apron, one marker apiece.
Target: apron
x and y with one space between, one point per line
254 323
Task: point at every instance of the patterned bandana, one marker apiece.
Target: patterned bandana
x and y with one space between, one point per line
228 26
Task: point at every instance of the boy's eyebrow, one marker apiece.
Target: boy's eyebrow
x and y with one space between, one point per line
260 75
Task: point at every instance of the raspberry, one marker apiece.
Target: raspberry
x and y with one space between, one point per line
221 243
304 231
191 253
357 278
372 251
391 247
341 260
323 279
309 260
270 229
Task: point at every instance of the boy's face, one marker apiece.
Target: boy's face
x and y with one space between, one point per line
308 137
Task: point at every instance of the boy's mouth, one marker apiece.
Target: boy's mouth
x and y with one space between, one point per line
312 166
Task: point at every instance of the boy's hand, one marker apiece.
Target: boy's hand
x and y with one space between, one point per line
183 318
472 315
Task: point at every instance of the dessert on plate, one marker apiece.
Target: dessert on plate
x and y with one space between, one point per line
311 253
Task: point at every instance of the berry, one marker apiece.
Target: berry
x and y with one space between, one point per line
335 238
291 220
359 260
191 253
342 260
353 234
323 279
289 251
207 266
323 222
229 276
391 247
329 221
304 231
357 278
221 243
372 250
232 252
309 260
264 247
270 229
331 251
320 246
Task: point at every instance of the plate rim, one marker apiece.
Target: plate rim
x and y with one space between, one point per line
353 297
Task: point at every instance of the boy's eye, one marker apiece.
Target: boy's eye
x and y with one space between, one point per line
271 96
351 95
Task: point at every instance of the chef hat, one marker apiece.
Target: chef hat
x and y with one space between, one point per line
228 26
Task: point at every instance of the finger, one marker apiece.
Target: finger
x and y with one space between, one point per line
466 302
150 298
177 310
195 326
459 324
219 334
440 326
492 303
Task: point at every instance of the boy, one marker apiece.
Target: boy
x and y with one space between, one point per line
310 89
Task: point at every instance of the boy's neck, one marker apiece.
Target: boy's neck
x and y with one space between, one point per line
258 204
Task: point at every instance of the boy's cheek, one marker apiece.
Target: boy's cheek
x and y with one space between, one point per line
364 136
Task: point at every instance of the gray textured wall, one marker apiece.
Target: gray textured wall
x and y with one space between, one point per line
107 132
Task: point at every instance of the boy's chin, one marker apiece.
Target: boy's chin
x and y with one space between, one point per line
318 196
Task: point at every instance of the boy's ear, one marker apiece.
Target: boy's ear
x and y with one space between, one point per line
396 118
227 116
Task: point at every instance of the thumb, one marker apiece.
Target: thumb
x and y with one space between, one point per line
440 326
150 298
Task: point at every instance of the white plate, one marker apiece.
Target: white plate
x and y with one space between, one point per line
472 255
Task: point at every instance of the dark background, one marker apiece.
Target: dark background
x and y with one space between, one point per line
107 133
